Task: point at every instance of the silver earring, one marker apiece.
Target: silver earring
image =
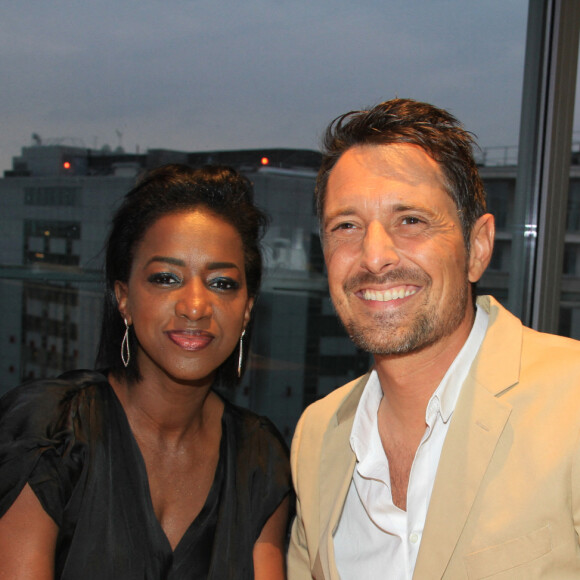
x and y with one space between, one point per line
125 352
240 356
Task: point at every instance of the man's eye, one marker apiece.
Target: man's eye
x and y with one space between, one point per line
224 284
343 226
411 220
164 279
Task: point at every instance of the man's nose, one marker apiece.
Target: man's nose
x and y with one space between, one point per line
379 251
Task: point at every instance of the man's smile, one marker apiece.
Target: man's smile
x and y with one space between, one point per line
388 295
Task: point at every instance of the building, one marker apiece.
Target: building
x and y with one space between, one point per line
500 185
57 203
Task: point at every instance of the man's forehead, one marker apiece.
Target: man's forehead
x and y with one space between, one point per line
403 162
373 171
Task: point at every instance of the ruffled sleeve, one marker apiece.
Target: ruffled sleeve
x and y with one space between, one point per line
43 439
256 480
271 481
260 473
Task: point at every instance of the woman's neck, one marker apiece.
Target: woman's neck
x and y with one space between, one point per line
168 411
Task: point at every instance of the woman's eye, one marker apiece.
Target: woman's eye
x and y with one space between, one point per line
224 284
411 220
164 279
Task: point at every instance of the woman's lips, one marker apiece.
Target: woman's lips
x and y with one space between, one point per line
190 340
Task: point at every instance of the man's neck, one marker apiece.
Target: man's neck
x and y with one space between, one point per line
409 380
408 383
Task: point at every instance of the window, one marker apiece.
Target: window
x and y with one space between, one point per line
270 81
51 195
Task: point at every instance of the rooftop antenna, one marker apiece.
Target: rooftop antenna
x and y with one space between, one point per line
37 139
119 148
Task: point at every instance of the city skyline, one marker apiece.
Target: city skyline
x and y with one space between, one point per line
195 75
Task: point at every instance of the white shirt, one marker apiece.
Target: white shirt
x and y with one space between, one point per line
374 538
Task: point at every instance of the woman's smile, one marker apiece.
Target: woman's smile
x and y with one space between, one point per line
191 340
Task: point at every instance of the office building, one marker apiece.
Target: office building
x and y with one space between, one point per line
57 204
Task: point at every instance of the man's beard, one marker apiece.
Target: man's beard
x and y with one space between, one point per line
392 334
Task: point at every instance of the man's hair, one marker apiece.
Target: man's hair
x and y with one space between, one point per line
436 131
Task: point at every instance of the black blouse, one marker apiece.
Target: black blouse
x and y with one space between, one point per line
69 438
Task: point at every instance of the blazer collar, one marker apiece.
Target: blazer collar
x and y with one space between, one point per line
476 427
497 365
347 409
336 468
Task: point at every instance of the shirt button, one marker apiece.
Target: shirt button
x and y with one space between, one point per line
414 538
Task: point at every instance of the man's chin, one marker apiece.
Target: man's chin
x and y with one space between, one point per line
393 340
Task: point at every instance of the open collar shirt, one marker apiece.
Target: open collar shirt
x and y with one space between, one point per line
374 538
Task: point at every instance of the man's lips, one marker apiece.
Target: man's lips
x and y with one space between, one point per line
190 339
394 285
396 293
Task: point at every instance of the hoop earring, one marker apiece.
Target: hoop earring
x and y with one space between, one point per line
125 352
240 356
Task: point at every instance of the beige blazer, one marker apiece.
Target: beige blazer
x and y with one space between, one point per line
506 499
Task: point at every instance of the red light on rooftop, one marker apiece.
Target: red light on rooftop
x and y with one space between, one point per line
66 164
264 161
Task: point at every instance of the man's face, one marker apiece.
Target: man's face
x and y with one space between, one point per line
398 268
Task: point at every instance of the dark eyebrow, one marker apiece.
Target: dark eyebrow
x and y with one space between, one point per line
396 208
222 266
401 208
181 263
347 211
166 260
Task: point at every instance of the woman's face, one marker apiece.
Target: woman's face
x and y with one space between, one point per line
186 296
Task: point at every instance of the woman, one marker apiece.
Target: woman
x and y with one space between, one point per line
143 470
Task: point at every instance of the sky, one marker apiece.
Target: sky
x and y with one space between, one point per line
196 75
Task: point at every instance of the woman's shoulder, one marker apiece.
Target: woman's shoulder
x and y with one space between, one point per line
44 429
252 425
34 404
255 440
262 462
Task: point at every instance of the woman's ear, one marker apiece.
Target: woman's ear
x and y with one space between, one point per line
122 295
248 312
481 247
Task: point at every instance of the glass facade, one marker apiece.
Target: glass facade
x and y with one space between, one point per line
58 200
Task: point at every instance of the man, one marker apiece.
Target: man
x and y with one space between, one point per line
457 455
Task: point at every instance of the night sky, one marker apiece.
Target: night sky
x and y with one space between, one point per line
211 74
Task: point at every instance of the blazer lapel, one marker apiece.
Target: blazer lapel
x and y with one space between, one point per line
336 467
476 427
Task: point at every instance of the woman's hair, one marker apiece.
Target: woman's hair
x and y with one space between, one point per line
166 190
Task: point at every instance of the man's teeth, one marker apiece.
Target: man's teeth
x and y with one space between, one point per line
387 295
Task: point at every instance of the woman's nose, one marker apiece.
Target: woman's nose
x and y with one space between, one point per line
193 301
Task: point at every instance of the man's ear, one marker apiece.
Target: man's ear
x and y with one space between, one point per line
481 246
121 293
